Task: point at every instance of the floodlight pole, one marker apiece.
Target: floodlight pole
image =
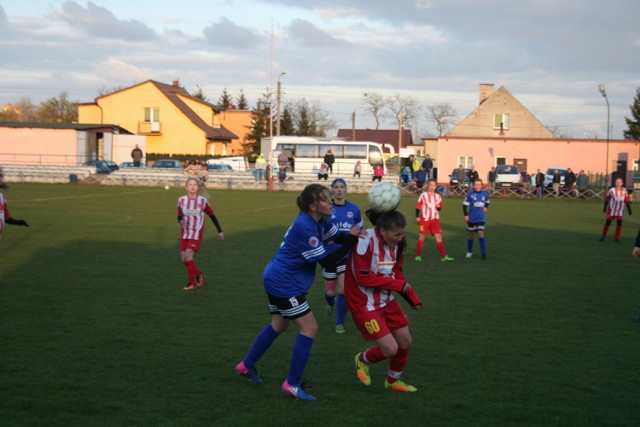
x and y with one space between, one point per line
603 91
278 101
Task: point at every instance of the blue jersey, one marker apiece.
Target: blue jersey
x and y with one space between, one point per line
476 201
345 217
292 269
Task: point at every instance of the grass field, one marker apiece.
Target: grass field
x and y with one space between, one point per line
95 329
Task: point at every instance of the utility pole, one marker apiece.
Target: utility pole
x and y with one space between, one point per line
353 126
279 99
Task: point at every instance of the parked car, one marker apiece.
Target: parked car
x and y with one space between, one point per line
103 166
219 167
548 177
508 176
127 165
455 181
167 164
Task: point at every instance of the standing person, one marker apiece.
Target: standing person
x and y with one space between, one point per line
374 270
419 177
428 218
5 215
410 164
427 164
617 197
330 159
569 182
261 166
473 175
555 182
323 173
539 183
357 169
416 165
582 183
378 173
191 210
475 207
492 177
344 215
287 279
405 175
136 156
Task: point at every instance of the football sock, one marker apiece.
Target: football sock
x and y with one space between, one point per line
419 246
263 341
299 358
341 315
605 230
483 245
469 245
396 364
192 270
372 355
440 246
616 234
330 300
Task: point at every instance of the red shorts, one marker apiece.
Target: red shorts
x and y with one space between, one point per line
379 323
611 218
431 226
193 244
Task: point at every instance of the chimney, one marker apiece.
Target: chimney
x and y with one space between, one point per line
486 89
176 83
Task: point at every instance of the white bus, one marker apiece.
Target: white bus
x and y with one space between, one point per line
306 154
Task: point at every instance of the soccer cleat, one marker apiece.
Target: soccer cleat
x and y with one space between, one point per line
602 239
616 241
296 391
340 328
189 287
362 369
484 257
446 258
469 255
200 280
399 386
418 258
252 374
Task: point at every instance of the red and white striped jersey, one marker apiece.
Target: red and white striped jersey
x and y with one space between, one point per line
192 212
428 205
373 271
617 198
4 212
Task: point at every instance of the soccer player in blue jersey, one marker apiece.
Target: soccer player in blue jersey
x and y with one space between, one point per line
287 279
345 215
475 207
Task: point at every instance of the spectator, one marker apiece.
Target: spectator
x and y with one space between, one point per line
427 164
420 177
283 159
409 162
324 172
136 156
582 182
415 166
473 175
261 165
378 173
569 182
357 169
557 178
492 177
405 175
539 183
330 159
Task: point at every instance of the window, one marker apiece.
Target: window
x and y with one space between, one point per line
151 115
466 161
307 151
501 161
636 169
355 151
501 121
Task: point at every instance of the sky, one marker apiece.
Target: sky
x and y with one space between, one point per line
551 55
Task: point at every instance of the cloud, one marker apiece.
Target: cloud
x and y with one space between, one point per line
118 70
4 20
99 21
225 33
308 35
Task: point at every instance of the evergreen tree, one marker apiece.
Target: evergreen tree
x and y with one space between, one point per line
633 123
304 123
225 99
259 124
199 94
286 122
243 104
58 110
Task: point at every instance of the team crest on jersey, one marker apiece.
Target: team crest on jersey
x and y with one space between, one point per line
350 214
313 241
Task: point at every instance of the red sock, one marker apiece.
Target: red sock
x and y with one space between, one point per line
616 235
440 246
605 230
396 364
419 247
192 271
372 355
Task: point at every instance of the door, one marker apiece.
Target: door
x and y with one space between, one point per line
521 164
621 172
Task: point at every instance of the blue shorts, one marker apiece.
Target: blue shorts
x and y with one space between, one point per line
288 307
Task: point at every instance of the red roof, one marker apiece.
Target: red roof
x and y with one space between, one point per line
381 136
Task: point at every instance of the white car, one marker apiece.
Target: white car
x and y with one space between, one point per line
508 176
548 177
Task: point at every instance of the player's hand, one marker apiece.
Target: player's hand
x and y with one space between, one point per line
221 236
636 252
466 218
484 210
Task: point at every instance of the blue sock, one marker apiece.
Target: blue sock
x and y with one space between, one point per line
301 352
469 245
263 341
483 246
330 300
341 315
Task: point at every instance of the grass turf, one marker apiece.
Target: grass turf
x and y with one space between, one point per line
96 330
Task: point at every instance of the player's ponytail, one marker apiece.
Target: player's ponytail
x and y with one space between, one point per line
309 196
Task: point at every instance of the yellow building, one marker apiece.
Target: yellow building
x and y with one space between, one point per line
173 121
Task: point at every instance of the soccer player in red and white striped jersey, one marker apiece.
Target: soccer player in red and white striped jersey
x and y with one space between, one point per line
5 216
191 210
614 204
428 217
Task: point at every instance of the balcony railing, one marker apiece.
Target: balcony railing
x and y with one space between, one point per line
149 128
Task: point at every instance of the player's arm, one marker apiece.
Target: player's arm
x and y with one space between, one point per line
14 221
628 204
606 203
365 277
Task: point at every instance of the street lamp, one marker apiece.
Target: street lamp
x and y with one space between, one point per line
278 98
603 91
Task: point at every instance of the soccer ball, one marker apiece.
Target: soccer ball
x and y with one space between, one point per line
384 197
166 187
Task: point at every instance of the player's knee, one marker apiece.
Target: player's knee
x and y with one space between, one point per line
389 349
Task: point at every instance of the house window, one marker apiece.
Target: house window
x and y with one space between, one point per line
501 121
501 161
151 115
636 169
466 161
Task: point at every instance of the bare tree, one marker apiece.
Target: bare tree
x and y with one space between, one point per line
374 103
443 115
310 119
405 109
